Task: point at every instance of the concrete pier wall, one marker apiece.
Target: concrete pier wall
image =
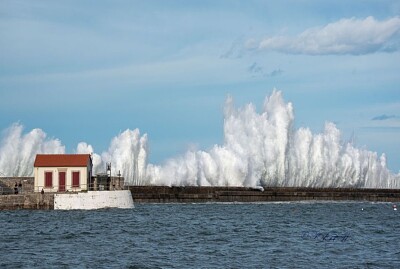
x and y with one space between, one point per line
161 194
93 200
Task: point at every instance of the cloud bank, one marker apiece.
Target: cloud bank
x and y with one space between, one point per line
346 36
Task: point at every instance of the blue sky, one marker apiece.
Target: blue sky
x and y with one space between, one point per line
87 70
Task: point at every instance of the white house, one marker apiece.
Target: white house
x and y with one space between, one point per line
62 172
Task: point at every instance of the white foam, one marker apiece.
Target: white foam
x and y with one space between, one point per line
259 149
264 149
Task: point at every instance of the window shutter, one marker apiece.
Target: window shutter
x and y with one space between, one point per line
48 183
75 179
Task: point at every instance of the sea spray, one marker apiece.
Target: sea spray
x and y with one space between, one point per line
127 154
260 148
18 150
264 149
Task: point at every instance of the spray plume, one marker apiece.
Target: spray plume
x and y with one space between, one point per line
259 149
263 149
17 150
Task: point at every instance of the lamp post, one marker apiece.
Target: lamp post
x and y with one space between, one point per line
119 179
108 175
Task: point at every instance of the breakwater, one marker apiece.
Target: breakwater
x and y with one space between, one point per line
163 194
27 199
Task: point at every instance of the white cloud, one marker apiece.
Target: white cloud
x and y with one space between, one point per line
346 36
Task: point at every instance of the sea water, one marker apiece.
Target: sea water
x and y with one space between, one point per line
262 235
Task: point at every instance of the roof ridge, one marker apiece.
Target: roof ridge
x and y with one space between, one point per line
62 160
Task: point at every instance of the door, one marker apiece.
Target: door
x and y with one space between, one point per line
61 181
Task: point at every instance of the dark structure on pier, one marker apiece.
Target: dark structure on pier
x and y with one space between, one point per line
161 194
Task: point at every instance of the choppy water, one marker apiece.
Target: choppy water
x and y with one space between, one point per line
269 235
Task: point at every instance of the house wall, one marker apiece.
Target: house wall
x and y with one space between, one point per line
40 178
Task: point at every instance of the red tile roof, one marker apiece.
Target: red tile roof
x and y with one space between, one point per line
62 160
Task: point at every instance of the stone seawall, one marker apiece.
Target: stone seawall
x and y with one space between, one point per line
27 201
161 194
7 184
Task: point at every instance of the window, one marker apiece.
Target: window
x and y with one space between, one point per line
48 179
75 179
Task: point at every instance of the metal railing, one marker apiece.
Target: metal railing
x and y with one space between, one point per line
12 190
8 186
80 188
